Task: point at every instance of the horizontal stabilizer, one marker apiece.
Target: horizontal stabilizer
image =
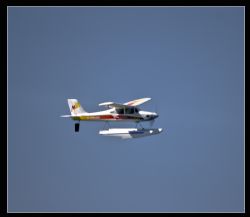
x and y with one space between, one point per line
66 116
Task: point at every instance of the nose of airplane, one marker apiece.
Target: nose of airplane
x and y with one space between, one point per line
149 115
155 115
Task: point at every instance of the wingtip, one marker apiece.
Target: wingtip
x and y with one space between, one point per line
147 98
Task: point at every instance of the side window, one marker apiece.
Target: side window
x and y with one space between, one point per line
129 110
119 111
136 110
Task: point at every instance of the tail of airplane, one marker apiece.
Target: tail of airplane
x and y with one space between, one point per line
75 107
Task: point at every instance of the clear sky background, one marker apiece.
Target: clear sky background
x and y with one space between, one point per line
190 61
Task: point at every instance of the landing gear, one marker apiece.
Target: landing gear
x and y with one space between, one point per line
77 127
139 124
106 122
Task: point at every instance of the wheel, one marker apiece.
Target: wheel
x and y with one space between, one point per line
77 127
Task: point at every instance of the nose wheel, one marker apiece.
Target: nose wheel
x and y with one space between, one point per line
139 125
106 123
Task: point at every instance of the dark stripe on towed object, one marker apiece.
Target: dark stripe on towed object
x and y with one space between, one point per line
125 133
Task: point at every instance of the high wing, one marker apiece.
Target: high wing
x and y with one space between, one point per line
127 104
137 102
113 105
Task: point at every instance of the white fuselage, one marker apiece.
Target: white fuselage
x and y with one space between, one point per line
114 115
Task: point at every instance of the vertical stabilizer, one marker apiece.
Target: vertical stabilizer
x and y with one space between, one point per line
75 107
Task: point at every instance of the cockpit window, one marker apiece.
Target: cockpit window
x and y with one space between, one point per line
131 110
119 110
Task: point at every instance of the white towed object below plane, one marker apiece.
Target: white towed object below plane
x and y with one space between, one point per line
130 133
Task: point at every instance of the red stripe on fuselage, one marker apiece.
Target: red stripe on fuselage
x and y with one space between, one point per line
105 117
116 117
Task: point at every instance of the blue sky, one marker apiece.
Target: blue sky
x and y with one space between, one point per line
189 60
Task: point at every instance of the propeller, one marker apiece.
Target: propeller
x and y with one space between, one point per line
153 121
156 109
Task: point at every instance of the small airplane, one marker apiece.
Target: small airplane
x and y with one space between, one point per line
128 111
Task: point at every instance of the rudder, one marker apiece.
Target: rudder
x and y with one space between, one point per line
75 107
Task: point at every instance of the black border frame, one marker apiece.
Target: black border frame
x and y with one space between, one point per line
3 12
